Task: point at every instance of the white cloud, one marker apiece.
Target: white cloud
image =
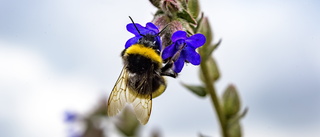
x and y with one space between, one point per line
34 97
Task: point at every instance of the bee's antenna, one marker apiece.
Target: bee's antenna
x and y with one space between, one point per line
135 26
162 30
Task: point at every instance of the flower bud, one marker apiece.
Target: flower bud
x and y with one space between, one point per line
163 22
213 72
231 102
170 6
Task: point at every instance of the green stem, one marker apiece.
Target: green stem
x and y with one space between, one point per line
211 90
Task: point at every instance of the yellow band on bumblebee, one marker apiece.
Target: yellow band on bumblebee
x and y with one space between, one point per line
158 92
144 51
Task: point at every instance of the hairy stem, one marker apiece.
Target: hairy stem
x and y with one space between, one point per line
216 104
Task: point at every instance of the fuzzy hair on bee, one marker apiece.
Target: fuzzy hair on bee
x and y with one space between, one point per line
141 78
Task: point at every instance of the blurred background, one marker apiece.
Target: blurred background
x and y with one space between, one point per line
64 55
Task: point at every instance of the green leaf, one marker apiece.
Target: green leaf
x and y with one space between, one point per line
186 26
198 90
184 14
184 3
199 20
208 52
237 117
231 102
233 124
214 73
194 8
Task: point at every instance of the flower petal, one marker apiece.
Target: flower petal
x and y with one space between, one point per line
178 35
152 27
178 65
169 51
158 42
191 55
132 41
133 30
196 40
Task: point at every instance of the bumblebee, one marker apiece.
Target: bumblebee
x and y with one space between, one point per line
141 78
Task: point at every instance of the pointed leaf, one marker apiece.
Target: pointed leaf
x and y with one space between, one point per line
184 14
184 3
198 90
186 26
237 117
194 8
208 52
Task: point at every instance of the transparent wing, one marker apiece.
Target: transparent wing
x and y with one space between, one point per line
117 98
142 105
142 108
120 94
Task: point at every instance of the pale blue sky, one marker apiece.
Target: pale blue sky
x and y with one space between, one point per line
65 54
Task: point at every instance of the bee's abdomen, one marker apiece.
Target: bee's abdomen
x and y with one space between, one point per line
146 85
139 64
144 66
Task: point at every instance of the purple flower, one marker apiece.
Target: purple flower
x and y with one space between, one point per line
183 49
150 30
70 116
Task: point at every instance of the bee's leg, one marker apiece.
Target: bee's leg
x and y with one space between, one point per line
170 74
167 66
167 70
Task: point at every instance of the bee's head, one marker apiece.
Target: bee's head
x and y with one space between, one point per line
152 41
